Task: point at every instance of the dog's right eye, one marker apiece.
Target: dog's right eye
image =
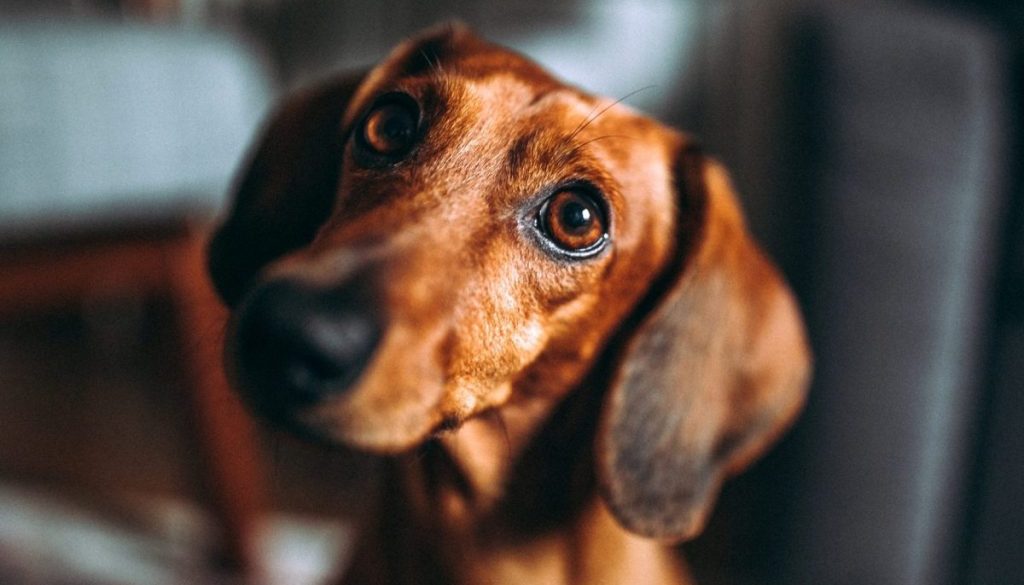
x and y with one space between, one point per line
574 221
389 129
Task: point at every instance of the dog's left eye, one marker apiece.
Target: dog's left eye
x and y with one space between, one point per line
389 129
574 221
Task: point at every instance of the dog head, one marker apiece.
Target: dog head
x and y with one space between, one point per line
456 230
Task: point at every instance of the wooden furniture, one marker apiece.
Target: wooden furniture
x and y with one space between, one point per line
113 139
165 262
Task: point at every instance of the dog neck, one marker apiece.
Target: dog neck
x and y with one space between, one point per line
510 497
485 452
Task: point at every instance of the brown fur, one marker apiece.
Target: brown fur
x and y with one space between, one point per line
551 422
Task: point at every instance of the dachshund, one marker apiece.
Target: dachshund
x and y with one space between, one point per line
540 307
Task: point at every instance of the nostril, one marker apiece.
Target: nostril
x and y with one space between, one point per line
296 343
336 346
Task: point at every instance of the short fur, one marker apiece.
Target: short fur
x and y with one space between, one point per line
546 421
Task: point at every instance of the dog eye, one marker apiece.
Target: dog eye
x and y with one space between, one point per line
389 129
573 221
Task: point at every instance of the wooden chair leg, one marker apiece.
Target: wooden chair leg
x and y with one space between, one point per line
228 436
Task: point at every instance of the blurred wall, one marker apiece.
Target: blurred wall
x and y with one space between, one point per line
609 47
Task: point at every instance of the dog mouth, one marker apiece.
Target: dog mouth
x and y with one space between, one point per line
447 424
331 425
322 363
345 420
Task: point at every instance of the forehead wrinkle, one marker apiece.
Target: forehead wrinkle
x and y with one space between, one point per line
556 153
506 140
476 125
570 122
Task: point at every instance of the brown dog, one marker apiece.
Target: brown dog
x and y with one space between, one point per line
543 304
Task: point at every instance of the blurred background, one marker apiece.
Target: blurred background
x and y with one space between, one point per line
874 145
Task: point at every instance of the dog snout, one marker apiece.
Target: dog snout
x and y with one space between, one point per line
297 343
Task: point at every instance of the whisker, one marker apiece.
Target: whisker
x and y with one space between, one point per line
592 117
434 64
421 451
602 137
504 431
586 120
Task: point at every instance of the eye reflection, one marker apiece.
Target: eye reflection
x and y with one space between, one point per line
572 220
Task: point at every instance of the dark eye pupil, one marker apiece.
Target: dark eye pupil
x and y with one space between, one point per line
389 129
397 126
572 221
576 217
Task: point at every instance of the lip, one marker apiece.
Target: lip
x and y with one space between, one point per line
444 426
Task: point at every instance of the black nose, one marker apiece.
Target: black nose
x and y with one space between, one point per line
298 343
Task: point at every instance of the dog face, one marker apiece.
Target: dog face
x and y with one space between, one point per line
456 230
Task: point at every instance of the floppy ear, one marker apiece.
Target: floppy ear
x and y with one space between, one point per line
288 188
715 371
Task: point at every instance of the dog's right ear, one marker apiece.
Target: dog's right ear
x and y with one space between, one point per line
714 373
288 187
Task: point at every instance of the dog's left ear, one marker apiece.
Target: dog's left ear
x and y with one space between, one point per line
288 187
715 371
